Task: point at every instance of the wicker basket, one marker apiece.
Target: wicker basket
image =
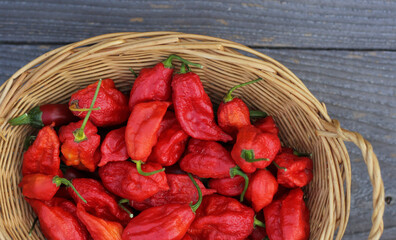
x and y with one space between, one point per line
303 121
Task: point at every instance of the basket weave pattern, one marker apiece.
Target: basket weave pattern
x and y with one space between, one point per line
303 121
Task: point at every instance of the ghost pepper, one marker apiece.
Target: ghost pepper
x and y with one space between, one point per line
110 108
113 147
229 187
194 109
254 149
294 171
267 124
261 190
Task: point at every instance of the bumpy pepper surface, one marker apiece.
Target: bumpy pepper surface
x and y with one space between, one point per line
111 105
113 147
298 171
261 190
230 187
267 124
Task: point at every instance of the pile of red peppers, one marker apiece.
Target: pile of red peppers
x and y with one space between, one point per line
160 163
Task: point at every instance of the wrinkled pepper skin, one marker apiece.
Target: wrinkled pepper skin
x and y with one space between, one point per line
123 179
84 155
38 186
267 125
152 84
261 190
113 104
43 155
288 217
99 202
99 228
229 187
167 121
194 109
233 115
298 173
181 191
207 159
264 145
221 217
169 221
170 146
113 147
57 223
142 128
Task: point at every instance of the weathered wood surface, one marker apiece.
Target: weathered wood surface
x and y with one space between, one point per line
351 24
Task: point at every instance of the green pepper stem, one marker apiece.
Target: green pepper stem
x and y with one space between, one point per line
258 223
79 134
168 62
258 113
133 72
124 200
33 117
195 206
248 155
58 181
83 109
228 97
298 154
279 167
237 171
33 224
140 171
184 69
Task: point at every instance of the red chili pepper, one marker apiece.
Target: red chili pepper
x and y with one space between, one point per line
288 217
113 147
230 187
142 128
98 201
233 113
167 121
181 191
254 149
222 218
259 232
110 108
267 125
123 179
294 171
99 228
261 190
194 109
43 155
170 221
187 237
45 115
56 222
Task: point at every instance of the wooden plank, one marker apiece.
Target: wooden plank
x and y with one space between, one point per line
347 24
358 89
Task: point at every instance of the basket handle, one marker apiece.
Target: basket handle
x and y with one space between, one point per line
333 129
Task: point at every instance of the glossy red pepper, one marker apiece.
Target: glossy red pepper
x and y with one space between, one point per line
98 201
294 171
123 179
43 155
169 221
267 125
222 218
261 190
230 187
111 106
113 147
254 149
181 191
233 113
99 228
288 217
194 109
44 115
56 222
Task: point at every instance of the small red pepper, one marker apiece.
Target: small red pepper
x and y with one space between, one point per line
98 201
110 108
169 221
261 190
194 109
181 191
294 171
229 187
168 120
222 218
233 113
45 115
288 217
267 125
99 228
123 179
113 147
43 155
254 149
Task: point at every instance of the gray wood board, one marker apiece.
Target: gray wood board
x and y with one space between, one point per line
346 24
359 89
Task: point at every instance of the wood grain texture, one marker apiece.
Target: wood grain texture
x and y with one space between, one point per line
345 24
359 89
